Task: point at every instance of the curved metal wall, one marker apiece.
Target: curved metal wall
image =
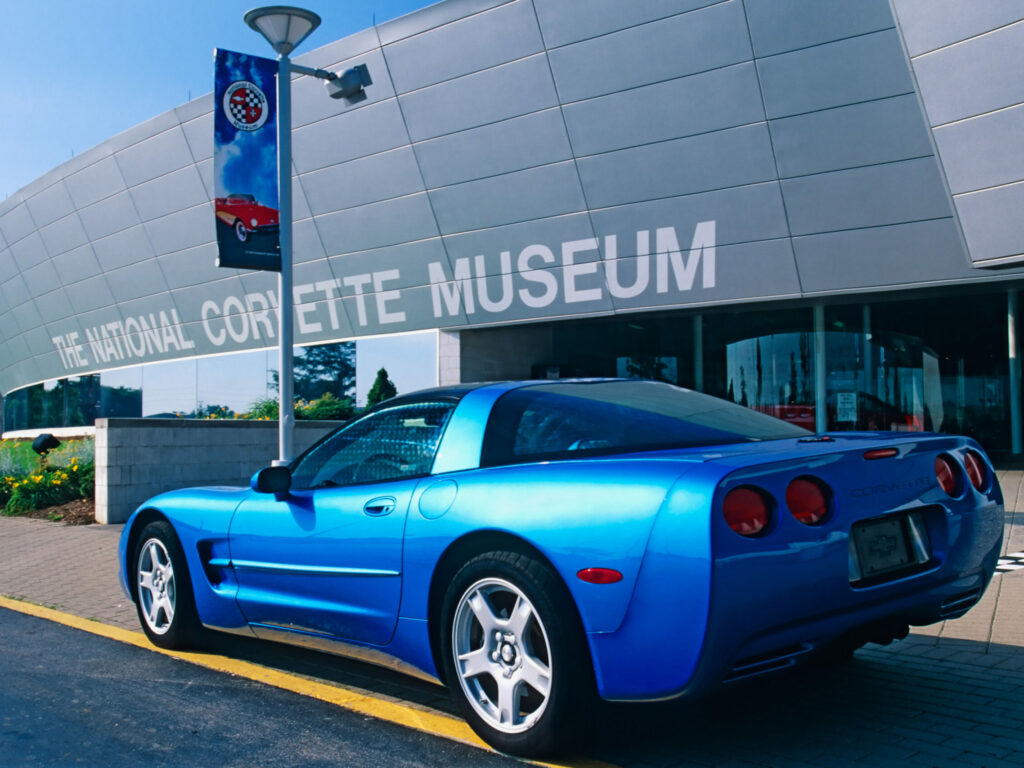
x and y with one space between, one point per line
967 59
515 160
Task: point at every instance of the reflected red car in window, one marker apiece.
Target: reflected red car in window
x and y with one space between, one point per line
245 215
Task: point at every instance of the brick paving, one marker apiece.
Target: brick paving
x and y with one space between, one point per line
951 694
70 568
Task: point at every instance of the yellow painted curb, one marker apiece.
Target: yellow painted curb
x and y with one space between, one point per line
427 721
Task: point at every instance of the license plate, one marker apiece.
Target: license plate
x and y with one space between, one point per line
882 546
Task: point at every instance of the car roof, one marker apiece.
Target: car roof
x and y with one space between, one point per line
458 391
450 392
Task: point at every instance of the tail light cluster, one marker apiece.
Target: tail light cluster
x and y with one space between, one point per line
950 477
748 509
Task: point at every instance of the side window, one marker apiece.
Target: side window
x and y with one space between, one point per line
390 444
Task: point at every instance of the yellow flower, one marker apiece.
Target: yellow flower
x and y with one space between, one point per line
56 482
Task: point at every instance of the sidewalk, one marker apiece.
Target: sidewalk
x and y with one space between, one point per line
69 568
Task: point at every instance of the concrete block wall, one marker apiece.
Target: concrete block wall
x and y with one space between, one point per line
139 458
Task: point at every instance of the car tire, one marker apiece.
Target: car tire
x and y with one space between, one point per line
515 656
163 589
240 231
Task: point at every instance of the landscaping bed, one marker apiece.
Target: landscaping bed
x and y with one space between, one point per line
76 512
58 487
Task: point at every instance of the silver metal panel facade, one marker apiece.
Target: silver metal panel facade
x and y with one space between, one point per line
967 59
520 160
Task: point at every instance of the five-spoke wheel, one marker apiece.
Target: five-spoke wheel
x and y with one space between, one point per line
156 589
502 655
514 654
163 589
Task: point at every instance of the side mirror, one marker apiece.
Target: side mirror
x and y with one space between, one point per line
272 480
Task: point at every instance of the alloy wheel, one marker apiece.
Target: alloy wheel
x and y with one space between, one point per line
157 594
502 655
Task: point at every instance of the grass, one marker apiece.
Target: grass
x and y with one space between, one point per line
17 457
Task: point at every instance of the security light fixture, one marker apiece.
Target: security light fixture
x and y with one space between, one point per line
45 443
349 84
283 26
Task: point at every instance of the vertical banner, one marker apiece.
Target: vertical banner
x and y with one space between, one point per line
245 161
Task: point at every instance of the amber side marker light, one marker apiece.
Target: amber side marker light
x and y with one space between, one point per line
599 575
880 453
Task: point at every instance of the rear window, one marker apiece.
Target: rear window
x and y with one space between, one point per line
567 420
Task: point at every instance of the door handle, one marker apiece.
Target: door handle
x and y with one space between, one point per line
382 505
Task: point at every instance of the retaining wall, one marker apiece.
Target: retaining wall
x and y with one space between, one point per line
139 458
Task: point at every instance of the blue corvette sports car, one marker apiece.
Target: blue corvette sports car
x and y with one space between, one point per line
535 545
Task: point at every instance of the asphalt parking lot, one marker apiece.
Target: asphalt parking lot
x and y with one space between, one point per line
949 695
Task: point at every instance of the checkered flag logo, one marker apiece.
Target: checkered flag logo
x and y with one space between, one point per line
245 105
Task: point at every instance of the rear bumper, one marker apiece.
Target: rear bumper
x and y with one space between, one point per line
789 640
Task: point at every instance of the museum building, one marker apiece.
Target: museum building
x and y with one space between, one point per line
811 207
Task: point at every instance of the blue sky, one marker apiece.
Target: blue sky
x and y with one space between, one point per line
76 73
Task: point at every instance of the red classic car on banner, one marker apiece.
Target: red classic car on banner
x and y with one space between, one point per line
245 162
245 215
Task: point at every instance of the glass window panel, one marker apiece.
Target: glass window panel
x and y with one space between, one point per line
410 360
169 389
229 384
121 393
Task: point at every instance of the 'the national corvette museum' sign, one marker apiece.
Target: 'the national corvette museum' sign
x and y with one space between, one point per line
245 161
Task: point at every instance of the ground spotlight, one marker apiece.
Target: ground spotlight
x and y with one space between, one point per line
45 443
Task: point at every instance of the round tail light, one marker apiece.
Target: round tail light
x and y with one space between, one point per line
807 499
977 472
947 475
746 510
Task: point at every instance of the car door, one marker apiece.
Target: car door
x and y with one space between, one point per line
326 558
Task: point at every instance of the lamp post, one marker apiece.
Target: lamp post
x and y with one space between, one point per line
285 27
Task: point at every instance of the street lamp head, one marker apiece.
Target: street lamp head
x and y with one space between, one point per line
283 26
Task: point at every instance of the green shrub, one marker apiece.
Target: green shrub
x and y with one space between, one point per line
328 406
6 487
47 487
262 409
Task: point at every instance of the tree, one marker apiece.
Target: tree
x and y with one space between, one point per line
326 368
382 389
322 369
